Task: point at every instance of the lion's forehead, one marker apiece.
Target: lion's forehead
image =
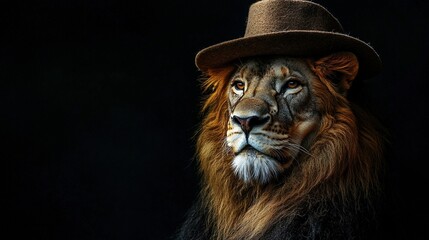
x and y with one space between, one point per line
276 67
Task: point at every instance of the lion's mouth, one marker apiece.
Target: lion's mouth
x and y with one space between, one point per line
249 150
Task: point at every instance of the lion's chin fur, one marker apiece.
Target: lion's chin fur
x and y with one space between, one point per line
251 165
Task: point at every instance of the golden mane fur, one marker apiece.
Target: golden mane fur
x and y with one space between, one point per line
344 162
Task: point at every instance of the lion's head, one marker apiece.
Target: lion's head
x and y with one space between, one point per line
279 133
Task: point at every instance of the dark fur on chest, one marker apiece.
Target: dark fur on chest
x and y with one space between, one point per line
319 221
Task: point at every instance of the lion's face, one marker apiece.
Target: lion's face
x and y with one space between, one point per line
272 112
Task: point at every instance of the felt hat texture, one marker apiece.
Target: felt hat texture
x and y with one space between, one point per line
292 28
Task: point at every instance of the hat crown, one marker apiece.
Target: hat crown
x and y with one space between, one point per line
270 16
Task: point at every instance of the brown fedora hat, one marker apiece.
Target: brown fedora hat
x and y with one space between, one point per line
294 28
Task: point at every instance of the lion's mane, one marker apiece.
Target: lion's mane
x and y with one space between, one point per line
341 172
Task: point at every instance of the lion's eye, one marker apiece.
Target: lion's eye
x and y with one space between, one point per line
238 85
291 84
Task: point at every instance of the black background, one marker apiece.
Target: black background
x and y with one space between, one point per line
99 104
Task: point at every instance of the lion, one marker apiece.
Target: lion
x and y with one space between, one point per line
283 152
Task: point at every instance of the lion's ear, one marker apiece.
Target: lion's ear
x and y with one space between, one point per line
341 68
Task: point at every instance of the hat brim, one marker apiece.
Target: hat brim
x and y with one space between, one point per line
292 44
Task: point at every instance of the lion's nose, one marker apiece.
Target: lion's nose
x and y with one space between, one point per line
249 113
247 123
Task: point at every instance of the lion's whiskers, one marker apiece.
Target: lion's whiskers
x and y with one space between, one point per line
299 148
